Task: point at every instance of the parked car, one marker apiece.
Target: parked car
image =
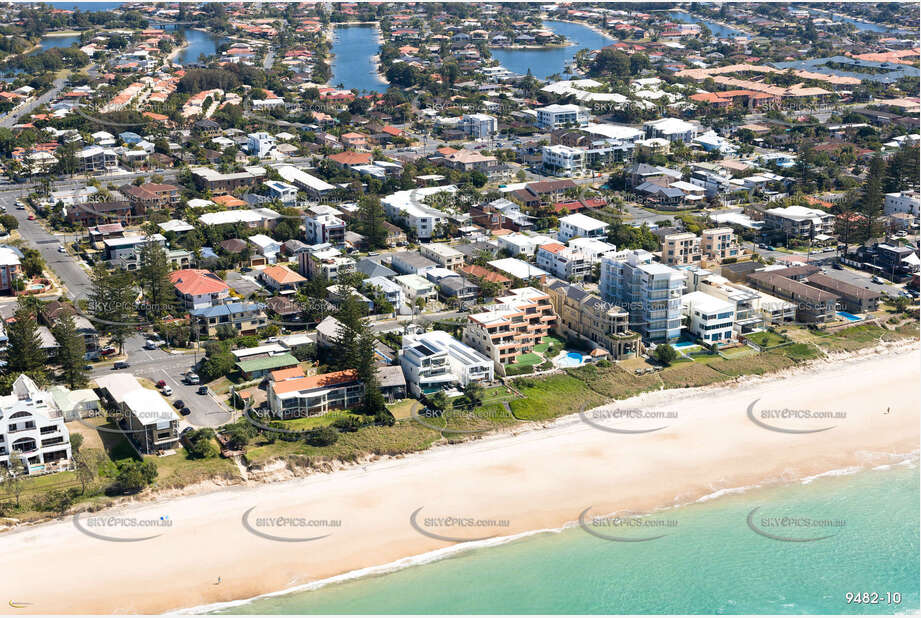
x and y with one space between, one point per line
878 279
31 217
167 391
192 378
185 411
150 345
62 250
202 390
837 266
161 383
179 404
120 365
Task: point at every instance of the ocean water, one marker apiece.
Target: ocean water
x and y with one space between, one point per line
551 60
708 561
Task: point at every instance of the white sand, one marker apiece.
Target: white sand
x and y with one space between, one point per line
537 479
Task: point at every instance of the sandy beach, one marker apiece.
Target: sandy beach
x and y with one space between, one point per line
535 479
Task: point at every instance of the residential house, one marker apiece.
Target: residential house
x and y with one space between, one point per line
32 429
243 318
197 288
303 396
433 361
582 226
281 279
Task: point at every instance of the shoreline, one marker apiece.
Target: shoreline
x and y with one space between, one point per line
460 549
561 463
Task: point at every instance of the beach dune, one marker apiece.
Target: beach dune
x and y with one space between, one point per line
541 478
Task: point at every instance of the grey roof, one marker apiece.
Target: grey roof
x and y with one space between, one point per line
390 376
371 268
412 258
456 284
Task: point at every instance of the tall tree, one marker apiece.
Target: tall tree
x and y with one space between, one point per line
372 221
112 302
71 351
345 352
871 201
154 269
25 351
373 401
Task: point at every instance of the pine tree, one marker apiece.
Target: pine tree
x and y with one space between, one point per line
159 295
112 303
372 221
71 351
871 201
373 401
25 345
345 352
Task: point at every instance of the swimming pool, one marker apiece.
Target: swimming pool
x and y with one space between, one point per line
569 359
683 344
849 316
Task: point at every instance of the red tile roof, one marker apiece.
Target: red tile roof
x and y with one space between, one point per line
196 281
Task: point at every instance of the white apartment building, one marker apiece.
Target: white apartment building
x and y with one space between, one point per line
672 129
97 159
415 287
517 243
582 226
709 318
408 207
563 160
442 254
32 429
560 116
282 191
649 291
324 229
259 144
478 125
905 202
592 248
431 361
391 291
324 261
563 262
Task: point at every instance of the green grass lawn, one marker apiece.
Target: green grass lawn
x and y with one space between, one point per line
553 396
526 360
312 422
402 409
766 339
546 343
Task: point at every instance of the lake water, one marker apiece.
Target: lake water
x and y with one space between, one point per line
86 7
199 43
719 31
50 42
549 61
354 49
860 25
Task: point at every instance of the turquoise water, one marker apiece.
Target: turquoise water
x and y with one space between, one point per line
546 62
86 7
716 29
353 65
710 561
849 316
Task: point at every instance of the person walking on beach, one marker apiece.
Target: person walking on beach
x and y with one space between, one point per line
218 582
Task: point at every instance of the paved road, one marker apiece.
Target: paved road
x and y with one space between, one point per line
65 266
159 365
13 118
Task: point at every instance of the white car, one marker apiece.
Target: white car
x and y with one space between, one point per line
62 250
167 391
